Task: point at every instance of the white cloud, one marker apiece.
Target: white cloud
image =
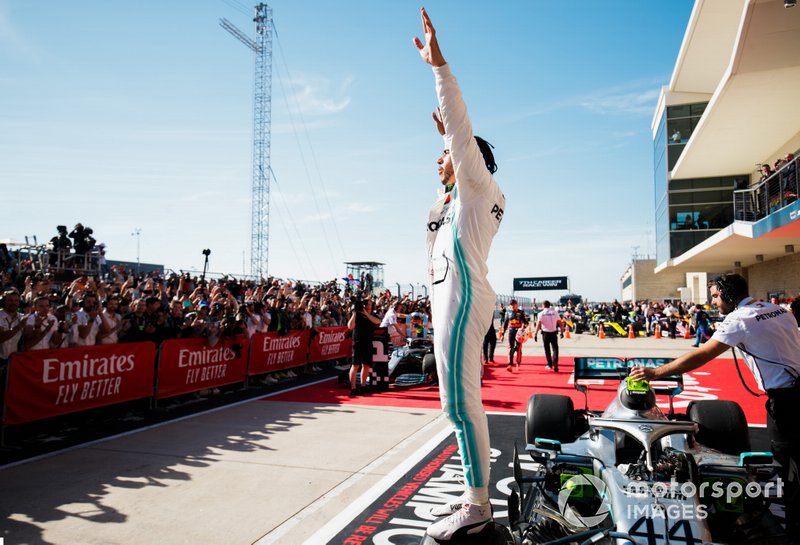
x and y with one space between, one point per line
12 40
633 102
315 95
633 98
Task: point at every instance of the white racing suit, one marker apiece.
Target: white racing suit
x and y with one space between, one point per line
461 226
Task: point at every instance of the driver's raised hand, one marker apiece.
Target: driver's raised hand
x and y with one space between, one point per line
429 51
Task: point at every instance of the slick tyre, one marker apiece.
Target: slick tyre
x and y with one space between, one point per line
550 417
723 425
429 364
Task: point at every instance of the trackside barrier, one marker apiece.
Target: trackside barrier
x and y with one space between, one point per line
270 353
330 343
189 365
47 383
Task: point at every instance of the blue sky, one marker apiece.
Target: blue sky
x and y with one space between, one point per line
139 115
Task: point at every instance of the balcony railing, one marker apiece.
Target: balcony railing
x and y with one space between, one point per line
44 259
768 196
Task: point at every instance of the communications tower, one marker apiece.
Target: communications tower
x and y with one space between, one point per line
262 120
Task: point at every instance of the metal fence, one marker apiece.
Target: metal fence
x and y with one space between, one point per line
768 196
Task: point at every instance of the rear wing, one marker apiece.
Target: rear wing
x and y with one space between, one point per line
590 370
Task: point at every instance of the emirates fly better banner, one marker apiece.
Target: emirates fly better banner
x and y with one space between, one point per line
189 365
269 353
46 383
331 343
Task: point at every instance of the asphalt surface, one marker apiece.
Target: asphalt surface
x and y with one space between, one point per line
235 468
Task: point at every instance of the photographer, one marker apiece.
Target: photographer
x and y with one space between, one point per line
232 325
136 326
82 238
60 246
362 323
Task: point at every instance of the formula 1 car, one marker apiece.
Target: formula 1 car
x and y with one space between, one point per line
410 365
413 364
632 474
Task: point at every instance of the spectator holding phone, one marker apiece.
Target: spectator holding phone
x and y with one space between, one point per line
40 326
110 321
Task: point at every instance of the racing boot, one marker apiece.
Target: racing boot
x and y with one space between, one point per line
470 519
448 508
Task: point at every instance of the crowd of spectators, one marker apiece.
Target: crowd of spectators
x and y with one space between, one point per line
646 315
37 311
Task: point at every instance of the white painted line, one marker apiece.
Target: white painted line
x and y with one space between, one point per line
345 516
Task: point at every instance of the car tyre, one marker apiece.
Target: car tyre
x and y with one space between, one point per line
429 364
550 417
722 423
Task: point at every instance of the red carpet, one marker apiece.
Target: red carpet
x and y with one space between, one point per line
509 392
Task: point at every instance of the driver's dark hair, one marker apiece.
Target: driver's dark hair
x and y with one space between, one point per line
732 287
486 151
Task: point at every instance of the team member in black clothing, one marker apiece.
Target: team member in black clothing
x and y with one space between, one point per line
514 322
766 336
489 343
362 323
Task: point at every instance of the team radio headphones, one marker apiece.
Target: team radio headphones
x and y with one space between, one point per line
725 290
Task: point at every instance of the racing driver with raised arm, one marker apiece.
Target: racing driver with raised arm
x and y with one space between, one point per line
461 226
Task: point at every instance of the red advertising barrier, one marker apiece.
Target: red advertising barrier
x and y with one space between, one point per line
269 353
330 343
46 383
190 365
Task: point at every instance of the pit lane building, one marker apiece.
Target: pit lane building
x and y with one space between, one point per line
733 104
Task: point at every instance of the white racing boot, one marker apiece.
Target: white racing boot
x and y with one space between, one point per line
470 519
448 508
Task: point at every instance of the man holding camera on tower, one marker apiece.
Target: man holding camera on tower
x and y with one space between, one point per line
766 336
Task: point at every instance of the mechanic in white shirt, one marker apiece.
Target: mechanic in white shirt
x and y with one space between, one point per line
389 321
766 336
549 322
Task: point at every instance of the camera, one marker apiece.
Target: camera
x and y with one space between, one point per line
232 325
206 252
358 304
